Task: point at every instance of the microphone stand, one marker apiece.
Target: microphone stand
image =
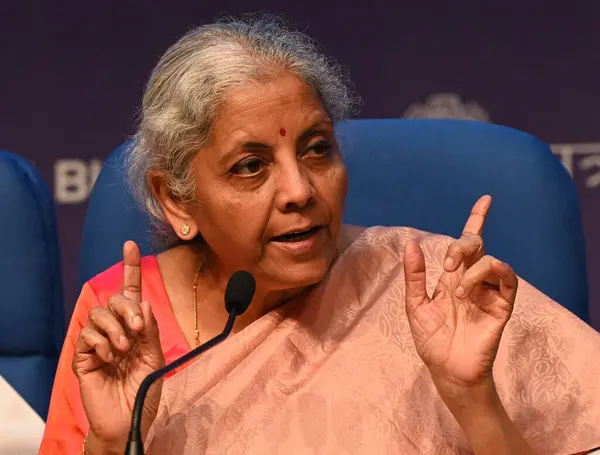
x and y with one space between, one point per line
135 445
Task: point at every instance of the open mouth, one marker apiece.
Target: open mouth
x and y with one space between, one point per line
296 236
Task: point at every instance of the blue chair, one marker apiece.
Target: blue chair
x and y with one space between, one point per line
426 174
111 204
32 320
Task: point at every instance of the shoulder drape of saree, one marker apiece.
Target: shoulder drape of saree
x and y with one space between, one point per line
338 373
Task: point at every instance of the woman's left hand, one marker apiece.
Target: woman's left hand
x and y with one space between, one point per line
457 331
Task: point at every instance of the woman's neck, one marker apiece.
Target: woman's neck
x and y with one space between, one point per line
213 278
182 264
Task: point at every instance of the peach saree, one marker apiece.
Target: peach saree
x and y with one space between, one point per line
338 373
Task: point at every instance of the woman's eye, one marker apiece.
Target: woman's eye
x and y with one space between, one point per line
248 167
320 149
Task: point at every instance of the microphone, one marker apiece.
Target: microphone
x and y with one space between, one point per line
238 295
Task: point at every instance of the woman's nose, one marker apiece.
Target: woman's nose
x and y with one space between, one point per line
295 190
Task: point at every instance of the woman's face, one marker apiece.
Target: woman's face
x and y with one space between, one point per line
271 184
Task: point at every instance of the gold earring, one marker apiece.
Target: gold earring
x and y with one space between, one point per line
185 229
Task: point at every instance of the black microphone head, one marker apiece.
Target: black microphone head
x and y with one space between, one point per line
239 292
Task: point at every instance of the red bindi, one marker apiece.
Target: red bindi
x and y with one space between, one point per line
282 131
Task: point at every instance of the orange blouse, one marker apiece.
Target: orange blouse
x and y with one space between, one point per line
67 423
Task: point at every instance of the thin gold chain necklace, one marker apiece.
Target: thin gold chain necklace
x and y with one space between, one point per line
196 331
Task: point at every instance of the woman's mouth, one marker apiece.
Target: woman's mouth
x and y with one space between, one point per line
297 236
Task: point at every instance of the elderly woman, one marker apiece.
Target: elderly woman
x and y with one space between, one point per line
379 340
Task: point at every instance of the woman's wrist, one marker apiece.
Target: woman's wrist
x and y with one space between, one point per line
479 412
92 445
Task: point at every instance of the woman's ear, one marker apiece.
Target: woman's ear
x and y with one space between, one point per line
177 213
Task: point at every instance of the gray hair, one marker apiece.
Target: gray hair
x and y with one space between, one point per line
186 89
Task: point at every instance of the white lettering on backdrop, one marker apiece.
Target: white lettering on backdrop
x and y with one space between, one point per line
74 179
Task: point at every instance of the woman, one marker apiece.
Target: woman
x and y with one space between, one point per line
341 349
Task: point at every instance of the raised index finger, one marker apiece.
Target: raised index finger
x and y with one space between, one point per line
479 212
132 272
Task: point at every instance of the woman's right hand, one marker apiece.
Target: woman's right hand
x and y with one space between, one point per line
117 349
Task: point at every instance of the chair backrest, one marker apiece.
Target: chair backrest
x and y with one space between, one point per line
32 320
426 174
112 218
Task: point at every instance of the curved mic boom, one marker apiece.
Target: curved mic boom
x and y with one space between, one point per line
238 295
